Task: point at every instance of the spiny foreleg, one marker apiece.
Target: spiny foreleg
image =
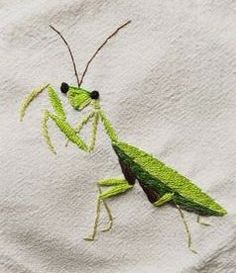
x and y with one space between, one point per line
59 117
78 127
29 98
95 116
65 128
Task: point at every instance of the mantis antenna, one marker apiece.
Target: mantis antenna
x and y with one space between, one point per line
79 82
100 47
71 54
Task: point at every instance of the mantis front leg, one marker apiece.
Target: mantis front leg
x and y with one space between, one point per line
64 126
71 133
78 127
60 119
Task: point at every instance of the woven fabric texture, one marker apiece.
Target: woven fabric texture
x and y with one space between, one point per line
167 84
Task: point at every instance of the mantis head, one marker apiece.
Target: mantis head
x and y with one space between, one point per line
79 98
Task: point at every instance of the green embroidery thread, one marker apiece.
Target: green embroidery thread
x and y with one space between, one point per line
160 183
28 99
56 103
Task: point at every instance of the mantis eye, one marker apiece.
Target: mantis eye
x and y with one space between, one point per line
64 87
94 95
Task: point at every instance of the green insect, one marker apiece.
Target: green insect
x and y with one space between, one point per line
160 183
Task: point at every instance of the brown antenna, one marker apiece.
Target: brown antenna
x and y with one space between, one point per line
71 55
101 46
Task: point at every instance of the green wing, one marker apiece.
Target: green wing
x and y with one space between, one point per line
165 179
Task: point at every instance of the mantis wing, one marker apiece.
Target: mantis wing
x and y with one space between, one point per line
155 175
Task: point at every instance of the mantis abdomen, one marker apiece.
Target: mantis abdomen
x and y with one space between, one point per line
158 180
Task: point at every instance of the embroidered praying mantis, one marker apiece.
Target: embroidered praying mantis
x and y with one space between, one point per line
160 183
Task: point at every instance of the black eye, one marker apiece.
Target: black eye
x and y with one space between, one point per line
64 87
94 95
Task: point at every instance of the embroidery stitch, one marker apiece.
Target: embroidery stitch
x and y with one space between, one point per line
28 99
160 183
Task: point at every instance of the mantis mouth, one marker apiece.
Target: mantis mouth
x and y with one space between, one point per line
79 98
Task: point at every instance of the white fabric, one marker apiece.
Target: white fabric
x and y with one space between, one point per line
167 83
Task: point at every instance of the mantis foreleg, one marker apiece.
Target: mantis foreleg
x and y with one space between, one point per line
78 127
29 98
64 126
93 134
44 127
60 119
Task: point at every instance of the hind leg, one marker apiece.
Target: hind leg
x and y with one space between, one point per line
118 186
189 237
94 233
164 199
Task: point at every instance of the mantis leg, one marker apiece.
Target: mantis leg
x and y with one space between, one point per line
110 218
29 98
78 127
118 186
95 226
200 222
164 199
98 208
116 183
65 127
189 237
93 135
60 119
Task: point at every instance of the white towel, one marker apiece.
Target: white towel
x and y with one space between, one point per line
167 83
